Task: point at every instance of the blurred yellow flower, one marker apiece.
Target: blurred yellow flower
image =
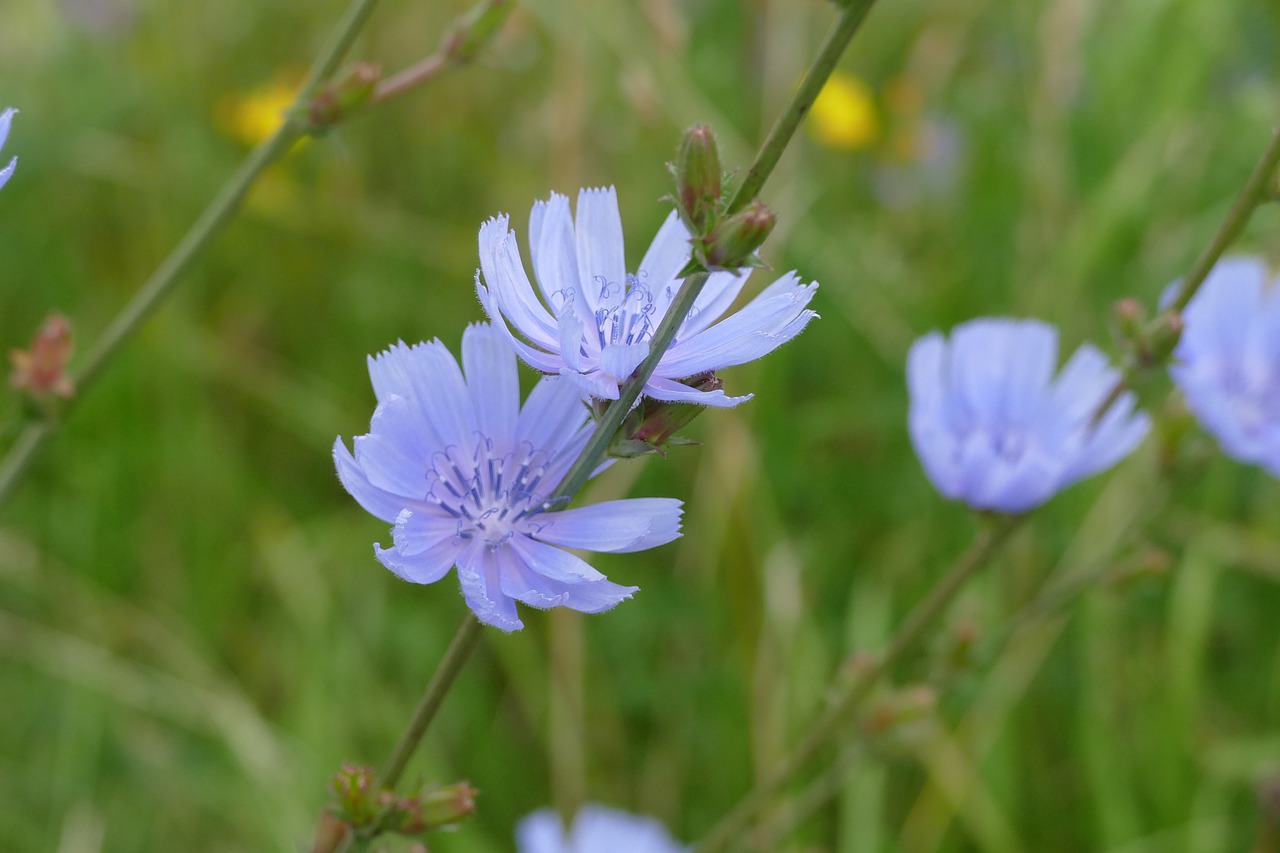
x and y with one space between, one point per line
252 117
844 115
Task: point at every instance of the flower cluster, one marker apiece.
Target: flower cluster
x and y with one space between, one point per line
595 828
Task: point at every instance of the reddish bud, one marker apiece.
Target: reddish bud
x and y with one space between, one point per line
41 371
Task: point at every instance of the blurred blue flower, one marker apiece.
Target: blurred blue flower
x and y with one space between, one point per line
6 120
597 320
996 429
596 829
463 472
1227 362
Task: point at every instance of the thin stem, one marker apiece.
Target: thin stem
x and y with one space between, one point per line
415 75
785 127
210 223
1256 190
835 717
460 649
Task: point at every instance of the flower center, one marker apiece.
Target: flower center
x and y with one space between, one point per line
491 497
634 317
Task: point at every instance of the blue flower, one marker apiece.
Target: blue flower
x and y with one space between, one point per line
6 120
996 429
596 829
597 321
464 474
1227 362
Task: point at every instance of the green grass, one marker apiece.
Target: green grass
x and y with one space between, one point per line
194 633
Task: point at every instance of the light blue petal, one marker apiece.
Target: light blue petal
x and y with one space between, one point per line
555 258
571 340
505 277
375 501
522 583
541 832
671 391
667 255
481 581
552 563
620 360
597 828
7 172
427 565
716 297
766 323
386 467
421 531
620 526
552 415
490 368
535 358
602 267
593 384
429 377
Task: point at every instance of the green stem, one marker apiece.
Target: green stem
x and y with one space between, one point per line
1256 190
836 717
210 223
855 12
593 454
459 651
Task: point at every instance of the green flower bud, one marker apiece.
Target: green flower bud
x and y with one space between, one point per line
697 171
733 243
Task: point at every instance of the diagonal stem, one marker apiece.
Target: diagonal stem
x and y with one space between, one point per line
210 223
455 657
836 716
855 12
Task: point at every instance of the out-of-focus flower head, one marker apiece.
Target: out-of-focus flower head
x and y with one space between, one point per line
1227 362
995 428
464 473
595 321
596 829
844 114
6 121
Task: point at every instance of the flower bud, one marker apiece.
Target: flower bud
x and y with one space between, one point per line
654 423
357 795
733 243
697 171
1127 317
437 807
344 95
41 371
1162 338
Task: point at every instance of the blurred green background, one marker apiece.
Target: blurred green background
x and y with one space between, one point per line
194 633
